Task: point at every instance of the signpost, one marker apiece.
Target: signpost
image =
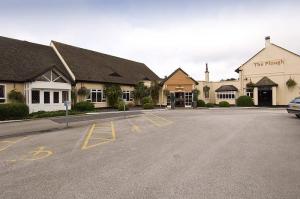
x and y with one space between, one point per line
66 104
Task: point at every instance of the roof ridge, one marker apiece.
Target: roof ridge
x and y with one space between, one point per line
24 41
94 51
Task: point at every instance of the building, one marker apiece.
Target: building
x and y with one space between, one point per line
36 71
263 77
94 70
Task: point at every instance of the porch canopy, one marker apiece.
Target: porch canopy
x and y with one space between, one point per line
265 82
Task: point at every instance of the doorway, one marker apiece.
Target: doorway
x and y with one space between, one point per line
179 99
265 96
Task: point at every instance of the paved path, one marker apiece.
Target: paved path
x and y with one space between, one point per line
171 154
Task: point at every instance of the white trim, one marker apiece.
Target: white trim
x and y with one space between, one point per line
5 94
62 60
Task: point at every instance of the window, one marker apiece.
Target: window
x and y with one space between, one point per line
104 96
249 92
188 98
226 95
51 76
46 97
65 96
169 100
55 97
35 97
131 95
126 95
2 93
95 96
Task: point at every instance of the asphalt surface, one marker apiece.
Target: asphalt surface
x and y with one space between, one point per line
213 154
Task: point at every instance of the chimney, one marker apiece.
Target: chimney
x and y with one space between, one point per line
267 41
206 73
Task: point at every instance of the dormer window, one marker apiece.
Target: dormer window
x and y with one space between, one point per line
115 74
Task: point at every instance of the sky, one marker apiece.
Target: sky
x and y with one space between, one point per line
164 35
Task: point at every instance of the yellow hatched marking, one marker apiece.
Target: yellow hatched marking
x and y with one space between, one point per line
91 135
157 120
9 143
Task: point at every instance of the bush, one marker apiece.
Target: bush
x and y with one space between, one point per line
84 106
224 104
147 100
244 101
16 96
210 105
121 106
148 106
200 103
12 111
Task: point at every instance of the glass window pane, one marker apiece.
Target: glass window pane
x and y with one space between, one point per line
99 96
56 97
35 97
65 96
46 97
2 91
94 97
48 75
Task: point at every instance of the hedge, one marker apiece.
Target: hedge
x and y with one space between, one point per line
84 106
43 114
200 103
244 101
12 111
148 106
210 105
224 104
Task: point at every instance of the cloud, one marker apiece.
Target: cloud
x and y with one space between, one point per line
166 37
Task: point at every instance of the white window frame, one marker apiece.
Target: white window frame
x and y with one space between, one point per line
248 93
90 99
188 98
4 94
127 93
224 95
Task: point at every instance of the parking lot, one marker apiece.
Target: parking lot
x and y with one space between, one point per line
220 153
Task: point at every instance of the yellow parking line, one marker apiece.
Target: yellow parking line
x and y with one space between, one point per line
161 117
152 121
113 132
10 143
87 138
92 133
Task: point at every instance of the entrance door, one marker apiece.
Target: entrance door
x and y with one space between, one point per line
265 96
179 99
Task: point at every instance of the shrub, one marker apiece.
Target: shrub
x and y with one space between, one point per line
148 106
147 100
244 101
224 104
84 106
12 111
16 96
200 103
210 105
121 106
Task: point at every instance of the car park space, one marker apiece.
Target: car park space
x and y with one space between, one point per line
162 154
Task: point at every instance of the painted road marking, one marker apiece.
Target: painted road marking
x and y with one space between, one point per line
157 120
99 134
37 154
5 144
134 127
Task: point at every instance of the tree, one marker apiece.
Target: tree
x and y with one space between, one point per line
140 91
154 91
113 94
